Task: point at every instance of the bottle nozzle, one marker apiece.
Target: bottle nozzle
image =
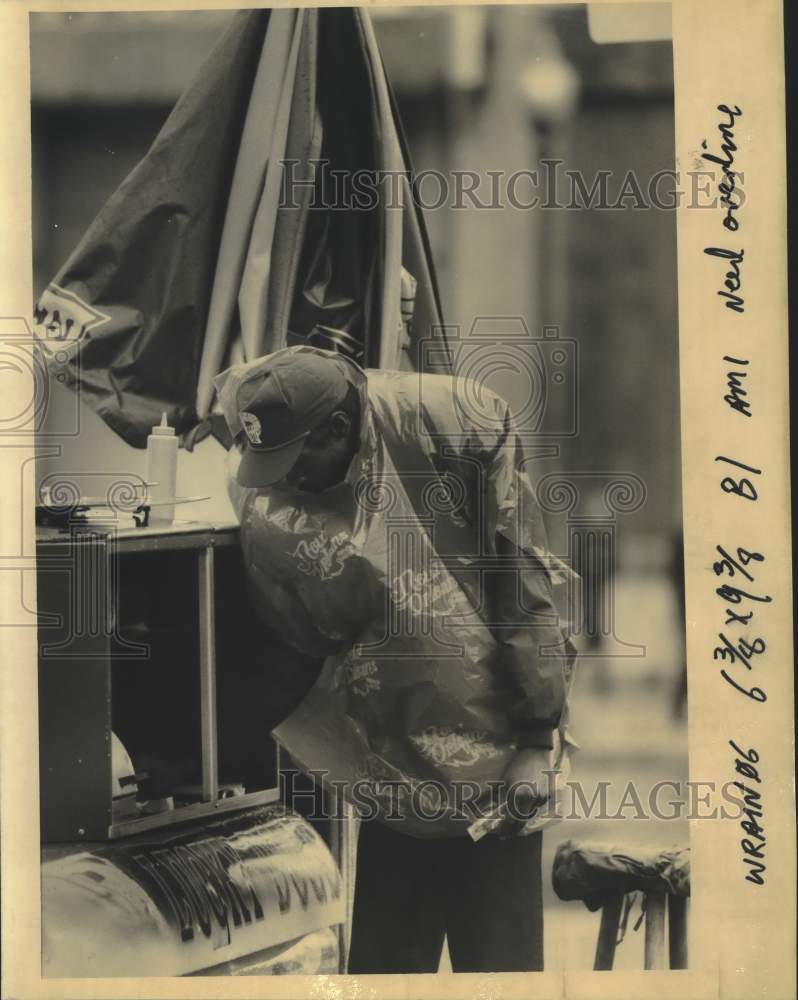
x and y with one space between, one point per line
163 429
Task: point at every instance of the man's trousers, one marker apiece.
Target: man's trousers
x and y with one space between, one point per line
485 897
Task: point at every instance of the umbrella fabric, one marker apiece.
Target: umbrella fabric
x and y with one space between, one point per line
228 242
126 313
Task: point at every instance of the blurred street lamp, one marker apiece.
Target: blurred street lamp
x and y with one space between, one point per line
550 87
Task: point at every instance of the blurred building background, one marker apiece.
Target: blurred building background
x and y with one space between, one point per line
480 89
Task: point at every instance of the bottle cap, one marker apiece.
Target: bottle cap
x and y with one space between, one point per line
163 428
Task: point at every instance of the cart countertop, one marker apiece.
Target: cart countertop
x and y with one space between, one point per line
178 535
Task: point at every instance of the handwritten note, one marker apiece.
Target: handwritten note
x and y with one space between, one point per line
740 646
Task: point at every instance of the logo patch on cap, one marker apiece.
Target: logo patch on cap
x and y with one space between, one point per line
251 427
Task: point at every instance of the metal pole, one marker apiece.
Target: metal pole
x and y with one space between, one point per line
343 847
608 932
655 931
207 665
677 931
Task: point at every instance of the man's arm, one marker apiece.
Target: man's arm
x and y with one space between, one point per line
532 644
534 647
520 594
484 451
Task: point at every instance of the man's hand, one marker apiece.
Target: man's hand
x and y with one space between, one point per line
526 788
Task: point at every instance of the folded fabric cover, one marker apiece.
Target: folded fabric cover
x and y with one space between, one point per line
592 872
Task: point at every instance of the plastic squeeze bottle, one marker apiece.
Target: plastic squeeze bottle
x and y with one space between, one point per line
162 469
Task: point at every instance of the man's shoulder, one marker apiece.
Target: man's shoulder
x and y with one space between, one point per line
460 413
386 380
383 382
439 395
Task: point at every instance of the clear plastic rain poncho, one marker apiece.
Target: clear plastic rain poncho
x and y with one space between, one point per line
424 582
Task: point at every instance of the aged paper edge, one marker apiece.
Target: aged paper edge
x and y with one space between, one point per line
742 937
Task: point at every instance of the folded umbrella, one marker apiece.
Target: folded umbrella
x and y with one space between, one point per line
225 242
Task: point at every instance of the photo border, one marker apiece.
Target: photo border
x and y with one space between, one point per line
742 937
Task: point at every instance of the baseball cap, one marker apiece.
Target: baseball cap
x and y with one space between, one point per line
279 406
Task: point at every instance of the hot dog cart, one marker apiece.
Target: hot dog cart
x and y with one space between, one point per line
165 847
